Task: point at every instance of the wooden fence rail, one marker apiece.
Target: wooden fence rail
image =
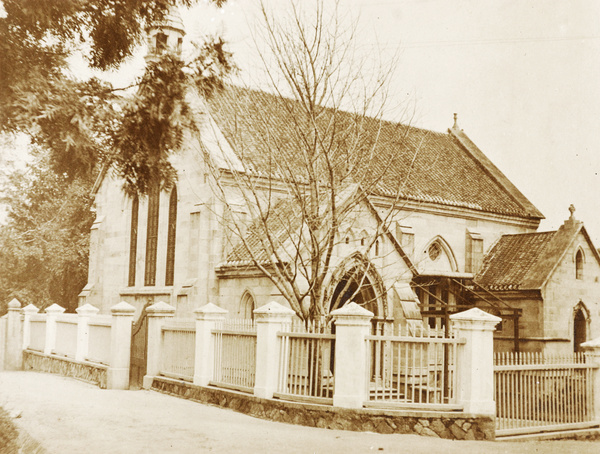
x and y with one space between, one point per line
306 364
178 340
536 392
235 355
414 369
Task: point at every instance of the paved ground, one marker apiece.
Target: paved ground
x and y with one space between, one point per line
69 416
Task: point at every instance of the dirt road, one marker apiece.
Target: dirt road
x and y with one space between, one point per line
69 416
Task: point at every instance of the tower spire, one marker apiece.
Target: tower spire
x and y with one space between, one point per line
165 36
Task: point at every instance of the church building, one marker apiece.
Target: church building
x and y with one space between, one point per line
462 234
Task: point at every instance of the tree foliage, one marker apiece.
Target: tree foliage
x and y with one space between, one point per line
44 245
80 126
85 124
153 121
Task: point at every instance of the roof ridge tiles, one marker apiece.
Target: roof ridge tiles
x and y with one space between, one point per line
421 164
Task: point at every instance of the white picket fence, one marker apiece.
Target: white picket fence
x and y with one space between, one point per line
419 368
272 358
178 341
306 364
537 392
414 368
234 342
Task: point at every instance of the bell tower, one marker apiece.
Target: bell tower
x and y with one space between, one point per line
166 36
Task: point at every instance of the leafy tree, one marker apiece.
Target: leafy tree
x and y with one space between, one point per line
44 245
80 126
78 121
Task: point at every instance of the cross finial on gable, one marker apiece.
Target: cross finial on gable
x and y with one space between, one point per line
572 221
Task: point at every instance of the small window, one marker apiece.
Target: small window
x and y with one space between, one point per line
473 252
161 43
434 252
247 306
579 265
179 44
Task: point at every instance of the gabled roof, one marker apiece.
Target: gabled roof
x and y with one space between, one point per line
427 166
283 223
526 261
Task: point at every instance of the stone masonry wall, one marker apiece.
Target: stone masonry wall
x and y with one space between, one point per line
451 425
93 373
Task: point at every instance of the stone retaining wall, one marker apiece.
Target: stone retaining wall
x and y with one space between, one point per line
93 373
451 425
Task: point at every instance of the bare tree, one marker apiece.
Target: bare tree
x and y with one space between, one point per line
307 160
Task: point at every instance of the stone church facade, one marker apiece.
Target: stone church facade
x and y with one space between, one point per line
456 208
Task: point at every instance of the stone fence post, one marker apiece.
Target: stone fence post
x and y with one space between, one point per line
28 311
158 314
475 360
270 319
13 356
83 331
208 317
352 325
52 313
593 353
120 346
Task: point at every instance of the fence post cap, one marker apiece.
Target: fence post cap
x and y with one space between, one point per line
30 309
352 310
592 344
14 304
122 308
55 309
210 308
160 309
87 310
274 308
476 315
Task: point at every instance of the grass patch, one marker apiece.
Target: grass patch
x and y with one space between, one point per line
14 440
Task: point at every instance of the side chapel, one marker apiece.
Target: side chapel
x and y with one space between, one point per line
467 237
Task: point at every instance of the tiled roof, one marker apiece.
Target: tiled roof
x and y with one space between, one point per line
526 261
509 262
427 166
282 223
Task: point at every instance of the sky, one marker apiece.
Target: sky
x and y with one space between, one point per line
522 75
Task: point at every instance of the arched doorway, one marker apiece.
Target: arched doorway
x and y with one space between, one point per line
579 329
355 286
356 280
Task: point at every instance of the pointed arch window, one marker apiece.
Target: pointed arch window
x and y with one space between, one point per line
133 237
171 238
580 326
247 306
579 265
152 237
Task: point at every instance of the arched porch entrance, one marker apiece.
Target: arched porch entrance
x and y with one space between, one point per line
357 280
